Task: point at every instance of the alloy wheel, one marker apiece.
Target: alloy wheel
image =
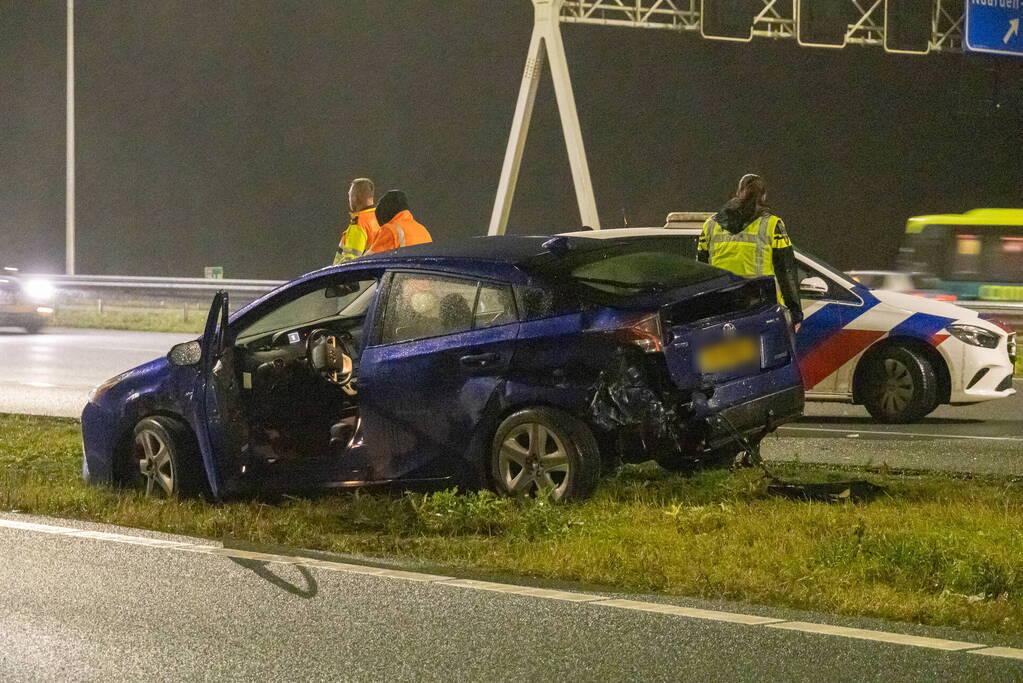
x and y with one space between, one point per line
896 386
155 464
534 461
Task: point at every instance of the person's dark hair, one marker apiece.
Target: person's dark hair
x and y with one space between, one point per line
390 205
746 205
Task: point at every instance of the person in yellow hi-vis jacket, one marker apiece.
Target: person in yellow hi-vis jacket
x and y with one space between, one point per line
745 238
362 227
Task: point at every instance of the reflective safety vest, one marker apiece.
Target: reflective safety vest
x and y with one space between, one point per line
401 231
749 252
359 234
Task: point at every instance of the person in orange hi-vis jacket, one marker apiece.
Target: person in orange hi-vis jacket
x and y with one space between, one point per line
397 226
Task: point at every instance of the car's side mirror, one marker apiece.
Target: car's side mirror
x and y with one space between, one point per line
813 286
341 289
186 353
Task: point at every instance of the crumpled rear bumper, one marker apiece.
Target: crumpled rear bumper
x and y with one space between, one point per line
756 417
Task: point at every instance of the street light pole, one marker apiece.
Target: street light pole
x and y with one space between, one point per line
69 194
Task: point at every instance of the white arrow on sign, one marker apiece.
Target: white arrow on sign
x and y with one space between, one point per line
1013 30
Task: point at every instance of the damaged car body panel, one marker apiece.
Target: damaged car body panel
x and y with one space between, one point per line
503 361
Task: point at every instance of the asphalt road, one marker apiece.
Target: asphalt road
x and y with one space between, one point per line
52 373
75 607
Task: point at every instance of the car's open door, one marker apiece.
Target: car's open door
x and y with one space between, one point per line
220 425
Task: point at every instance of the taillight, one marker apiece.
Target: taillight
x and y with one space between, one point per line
644 332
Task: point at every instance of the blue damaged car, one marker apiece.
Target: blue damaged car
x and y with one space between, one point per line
531 365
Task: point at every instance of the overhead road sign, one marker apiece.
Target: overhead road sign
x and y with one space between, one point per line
993 26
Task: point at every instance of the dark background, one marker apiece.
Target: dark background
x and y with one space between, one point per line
226 133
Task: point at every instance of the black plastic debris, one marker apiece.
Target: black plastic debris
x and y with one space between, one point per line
857 491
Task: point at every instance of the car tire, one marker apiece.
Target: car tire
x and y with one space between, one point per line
33 327
539 450
899 385
164 460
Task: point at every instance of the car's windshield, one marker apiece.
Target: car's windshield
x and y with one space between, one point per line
315 306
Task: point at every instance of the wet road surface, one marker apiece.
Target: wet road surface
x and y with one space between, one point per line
134 605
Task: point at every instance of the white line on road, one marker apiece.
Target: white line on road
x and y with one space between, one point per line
206 547
691 612
893 433
881 636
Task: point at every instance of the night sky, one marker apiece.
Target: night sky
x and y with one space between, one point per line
226 133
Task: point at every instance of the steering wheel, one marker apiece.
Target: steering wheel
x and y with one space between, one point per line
330 356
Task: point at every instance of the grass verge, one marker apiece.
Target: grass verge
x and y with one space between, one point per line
935 550
190 320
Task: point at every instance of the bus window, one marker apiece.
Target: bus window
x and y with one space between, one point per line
1005 257
966 251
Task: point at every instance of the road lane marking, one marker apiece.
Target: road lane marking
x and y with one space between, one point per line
1010 652
691 612
522 590
881 636
884 433
208 548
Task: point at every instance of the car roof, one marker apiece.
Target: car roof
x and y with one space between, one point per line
609 233
510 249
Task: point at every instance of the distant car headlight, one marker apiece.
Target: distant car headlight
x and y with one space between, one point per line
974 336
39 290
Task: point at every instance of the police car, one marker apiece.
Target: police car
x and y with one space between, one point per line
900 356
24 302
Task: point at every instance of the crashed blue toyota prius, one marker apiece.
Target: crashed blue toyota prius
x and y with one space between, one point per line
530 365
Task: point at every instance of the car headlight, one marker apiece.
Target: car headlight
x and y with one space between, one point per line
974 336
39 290
97 393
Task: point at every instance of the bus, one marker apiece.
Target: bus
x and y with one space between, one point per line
977 255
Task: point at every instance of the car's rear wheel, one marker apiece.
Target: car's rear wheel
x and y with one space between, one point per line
34 326
544 452
164 459
899 385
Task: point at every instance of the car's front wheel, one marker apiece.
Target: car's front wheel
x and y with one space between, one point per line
164 459
544 452
899 385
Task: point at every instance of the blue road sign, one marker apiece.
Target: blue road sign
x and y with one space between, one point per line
994 26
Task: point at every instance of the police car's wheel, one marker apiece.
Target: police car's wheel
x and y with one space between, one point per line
544 452
899 385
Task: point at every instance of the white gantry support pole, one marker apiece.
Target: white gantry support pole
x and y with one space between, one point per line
546 39
69 178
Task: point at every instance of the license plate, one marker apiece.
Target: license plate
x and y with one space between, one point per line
728 355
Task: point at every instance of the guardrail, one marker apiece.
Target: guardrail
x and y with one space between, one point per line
1010 312
72 288
147 291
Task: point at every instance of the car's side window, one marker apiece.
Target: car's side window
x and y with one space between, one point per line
495 305
421 306
835 292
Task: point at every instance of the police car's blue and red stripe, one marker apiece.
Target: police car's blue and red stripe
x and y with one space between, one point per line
825 343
